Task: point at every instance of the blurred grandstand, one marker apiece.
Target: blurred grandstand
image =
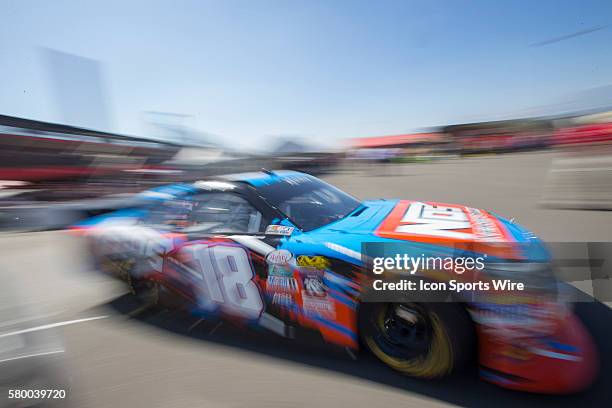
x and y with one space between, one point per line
43 162
31 150
580 177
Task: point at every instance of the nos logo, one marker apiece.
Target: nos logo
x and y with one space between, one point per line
435 220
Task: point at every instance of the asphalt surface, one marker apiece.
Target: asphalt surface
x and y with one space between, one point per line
132 358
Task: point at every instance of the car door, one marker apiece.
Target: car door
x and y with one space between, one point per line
217 267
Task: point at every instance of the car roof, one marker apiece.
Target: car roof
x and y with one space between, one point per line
263 178
228 182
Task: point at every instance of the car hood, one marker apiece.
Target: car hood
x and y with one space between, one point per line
441 222
428 225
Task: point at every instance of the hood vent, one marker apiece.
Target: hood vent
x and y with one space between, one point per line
359 211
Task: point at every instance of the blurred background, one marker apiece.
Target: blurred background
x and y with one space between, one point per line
503 106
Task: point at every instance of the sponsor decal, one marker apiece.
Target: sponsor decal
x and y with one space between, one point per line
434 220
316 306
281 283
318 262
309 270
279 230
283 299
315 301
279 257
280 270
314 286
444 224
484 227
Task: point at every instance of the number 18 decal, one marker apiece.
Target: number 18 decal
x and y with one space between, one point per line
227 279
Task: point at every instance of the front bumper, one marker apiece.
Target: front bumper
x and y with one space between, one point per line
563 361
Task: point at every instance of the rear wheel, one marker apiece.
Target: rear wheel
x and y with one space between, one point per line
425 340
146 291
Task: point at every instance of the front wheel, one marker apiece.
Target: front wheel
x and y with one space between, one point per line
424 340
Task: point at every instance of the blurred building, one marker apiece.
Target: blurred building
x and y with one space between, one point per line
400 147
580 176
78 88
583 130
31 150
501 136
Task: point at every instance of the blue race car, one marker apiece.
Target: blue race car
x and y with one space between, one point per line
284 251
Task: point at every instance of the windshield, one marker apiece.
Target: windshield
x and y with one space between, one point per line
308 202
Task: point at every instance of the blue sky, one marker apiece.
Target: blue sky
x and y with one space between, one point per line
323 70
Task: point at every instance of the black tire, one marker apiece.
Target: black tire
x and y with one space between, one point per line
146 291
422 340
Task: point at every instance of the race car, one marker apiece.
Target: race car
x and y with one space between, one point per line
283 251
